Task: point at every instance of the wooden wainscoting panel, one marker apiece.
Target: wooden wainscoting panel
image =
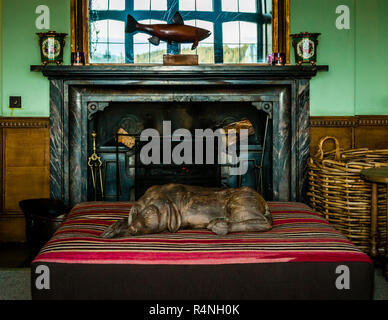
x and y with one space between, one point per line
12 228
1 171
340 127
352 132
25 183
26 148
372 132
25 163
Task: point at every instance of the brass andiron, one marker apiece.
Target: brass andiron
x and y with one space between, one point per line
95 165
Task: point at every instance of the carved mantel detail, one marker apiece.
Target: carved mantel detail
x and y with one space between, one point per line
94 107
267 107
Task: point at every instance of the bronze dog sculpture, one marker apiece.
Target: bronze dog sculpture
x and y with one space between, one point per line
172 207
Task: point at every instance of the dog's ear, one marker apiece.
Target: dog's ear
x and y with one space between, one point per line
174 219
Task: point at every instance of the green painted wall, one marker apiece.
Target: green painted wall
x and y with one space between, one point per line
21 50
371 88
356 84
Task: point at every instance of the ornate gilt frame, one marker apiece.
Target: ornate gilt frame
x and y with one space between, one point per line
80 27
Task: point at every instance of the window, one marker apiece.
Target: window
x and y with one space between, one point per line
97 28
107 41
241 30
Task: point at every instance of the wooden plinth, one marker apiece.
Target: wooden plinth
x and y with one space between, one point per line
180 60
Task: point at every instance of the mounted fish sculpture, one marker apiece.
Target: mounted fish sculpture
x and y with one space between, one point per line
175 32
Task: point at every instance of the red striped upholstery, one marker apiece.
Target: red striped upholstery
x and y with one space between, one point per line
298 234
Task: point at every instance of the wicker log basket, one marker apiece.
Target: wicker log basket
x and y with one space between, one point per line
337 192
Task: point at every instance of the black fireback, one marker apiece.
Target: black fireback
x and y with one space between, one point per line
191 173
127 178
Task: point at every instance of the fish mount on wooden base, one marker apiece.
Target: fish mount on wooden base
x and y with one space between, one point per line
176 32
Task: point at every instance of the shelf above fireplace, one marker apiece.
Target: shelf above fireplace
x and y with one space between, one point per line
114 72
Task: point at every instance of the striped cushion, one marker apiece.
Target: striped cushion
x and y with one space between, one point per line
298 235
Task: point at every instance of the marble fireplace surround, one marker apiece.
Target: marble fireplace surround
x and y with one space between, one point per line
76 93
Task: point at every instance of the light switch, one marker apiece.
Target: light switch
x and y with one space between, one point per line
15 102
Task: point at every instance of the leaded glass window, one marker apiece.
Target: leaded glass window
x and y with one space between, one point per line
241 30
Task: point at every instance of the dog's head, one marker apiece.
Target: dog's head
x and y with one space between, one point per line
152 219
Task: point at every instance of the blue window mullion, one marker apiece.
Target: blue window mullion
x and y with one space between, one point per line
259 25
172 8
129 43
218 47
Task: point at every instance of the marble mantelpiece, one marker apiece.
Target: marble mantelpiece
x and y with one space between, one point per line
77 92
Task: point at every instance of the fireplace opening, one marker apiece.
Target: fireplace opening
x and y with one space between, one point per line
125 177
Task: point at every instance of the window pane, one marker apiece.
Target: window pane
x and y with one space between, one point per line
99 4
231 53
99 53
247 6
157 52
204 5
99 31
116 4
206 53
248 32
230 5
248 53
187 5
142 4
159 5
116 31
230 32
117 53
141 53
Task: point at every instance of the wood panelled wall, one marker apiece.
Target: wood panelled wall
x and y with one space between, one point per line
24 170
25 159
352 132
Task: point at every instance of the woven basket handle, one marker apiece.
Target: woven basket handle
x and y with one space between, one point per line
320 148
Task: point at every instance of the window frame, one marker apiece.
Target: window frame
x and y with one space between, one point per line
80 28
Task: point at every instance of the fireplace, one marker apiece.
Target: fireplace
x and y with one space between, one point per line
125 177
83 99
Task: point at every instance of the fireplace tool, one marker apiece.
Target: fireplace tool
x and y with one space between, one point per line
95 165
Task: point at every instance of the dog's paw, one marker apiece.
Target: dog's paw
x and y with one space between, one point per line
220 228
108 233
113 230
